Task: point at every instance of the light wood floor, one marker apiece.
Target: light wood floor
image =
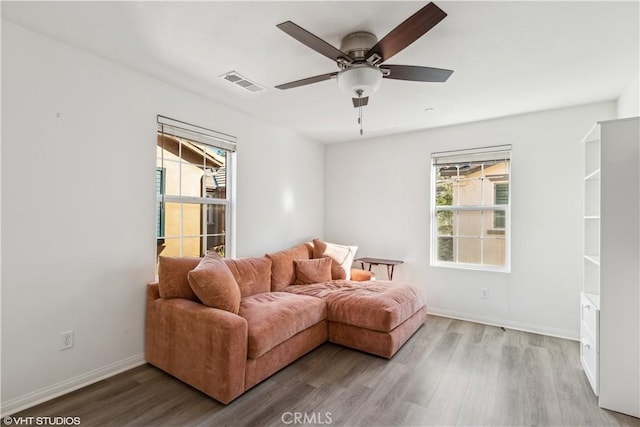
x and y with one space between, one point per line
450 373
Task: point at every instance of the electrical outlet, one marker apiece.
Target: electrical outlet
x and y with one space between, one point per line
484 293
66 340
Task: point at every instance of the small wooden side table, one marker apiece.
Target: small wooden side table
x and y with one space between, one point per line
390 263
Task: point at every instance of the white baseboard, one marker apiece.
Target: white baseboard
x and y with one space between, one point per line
519 326
36 397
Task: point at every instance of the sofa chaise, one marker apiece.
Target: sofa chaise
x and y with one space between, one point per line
225 325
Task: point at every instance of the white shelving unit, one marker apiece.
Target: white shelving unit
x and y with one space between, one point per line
590 296
610 298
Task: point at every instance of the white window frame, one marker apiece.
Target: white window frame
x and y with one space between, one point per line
470 154
215 140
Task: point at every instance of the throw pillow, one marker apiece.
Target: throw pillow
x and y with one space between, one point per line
172 277
312 271
214 284
341 256
283 273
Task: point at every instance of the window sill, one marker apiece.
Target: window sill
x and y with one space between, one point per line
476 267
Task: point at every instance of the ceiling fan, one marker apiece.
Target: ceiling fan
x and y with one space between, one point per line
361 56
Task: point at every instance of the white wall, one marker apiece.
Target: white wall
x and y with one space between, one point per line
78 192
377 196
629 100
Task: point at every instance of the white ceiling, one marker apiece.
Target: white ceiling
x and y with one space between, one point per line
508 57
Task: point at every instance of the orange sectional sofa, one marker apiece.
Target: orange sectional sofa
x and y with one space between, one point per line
225 325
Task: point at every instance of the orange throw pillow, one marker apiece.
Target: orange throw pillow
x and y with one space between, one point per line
283 273
214 284
312 271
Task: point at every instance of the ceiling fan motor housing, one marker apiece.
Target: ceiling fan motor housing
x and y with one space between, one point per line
357 44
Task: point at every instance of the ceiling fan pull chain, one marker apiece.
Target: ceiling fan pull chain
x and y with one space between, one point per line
359 93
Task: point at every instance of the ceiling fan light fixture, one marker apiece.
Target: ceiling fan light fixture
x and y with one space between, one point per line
360 80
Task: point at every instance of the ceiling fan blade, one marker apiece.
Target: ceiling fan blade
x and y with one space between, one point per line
407 32
416 74
308 81
360 102
314 42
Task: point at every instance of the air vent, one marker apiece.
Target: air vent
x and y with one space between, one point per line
243 82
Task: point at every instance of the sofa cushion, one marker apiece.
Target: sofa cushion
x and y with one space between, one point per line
392 303
312 271
341 256
172 277
376 305
252 274
214 284
274 317
283 272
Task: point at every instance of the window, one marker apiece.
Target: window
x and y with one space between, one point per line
471 209
193 188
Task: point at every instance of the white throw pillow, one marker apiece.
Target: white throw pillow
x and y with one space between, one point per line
341 257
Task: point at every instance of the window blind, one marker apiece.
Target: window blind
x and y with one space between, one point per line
196 133
496 153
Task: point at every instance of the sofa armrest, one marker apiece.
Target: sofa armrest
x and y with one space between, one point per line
202 346
153 293
362 275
